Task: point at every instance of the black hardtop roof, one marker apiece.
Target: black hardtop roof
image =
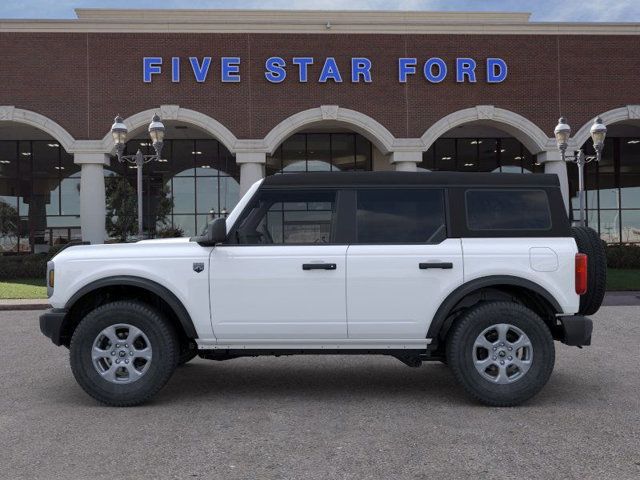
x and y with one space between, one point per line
340 179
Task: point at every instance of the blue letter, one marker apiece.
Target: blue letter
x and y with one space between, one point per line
150 66
275 69
303 63
175 69
442 70
230 69
465 66
360 67
330 71
406 66
200 71
501 75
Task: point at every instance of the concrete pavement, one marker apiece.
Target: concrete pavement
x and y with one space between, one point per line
322 417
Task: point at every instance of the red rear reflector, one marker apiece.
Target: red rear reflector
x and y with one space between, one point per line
581 273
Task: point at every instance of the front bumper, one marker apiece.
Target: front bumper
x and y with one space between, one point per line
575 330
51 324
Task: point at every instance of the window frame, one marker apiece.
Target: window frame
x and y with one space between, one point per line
445 206
337 221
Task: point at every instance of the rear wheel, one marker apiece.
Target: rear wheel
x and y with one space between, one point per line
501 352
124 352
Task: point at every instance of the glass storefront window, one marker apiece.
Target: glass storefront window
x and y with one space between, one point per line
321 152
39 193
445 158
197 180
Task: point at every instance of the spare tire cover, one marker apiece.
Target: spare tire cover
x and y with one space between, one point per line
589 243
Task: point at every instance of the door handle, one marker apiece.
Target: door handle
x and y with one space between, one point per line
319 266
442 265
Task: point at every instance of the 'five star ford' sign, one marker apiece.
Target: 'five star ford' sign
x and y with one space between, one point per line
305 69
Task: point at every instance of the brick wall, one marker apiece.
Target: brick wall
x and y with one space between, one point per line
82 80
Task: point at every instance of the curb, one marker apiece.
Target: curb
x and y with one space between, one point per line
6 305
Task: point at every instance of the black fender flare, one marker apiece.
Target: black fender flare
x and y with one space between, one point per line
127 280
465 289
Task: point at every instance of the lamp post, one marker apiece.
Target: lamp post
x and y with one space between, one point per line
562 133
156 132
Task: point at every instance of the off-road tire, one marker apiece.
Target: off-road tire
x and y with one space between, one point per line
158 330
460 346
589 243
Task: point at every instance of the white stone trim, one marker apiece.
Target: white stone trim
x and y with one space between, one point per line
382 138
175 112
516 125
628 112
9 113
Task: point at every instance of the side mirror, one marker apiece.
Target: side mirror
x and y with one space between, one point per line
216 233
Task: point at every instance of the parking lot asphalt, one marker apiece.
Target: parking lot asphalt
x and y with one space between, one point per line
315 417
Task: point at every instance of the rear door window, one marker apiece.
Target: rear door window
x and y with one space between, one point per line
400 216
508 209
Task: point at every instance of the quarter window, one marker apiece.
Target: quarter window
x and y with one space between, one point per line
401 216
508 210
281 217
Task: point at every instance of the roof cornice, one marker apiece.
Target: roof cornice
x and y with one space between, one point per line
307 21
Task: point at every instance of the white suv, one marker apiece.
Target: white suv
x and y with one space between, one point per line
480 271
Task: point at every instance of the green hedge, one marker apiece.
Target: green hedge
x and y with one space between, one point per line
623 256
26 266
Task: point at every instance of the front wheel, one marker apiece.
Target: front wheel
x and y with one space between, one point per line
124 352
501 352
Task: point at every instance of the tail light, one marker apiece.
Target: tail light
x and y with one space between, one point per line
581 273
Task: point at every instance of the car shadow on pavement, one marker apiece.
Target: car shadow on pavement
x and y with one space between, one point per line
337 379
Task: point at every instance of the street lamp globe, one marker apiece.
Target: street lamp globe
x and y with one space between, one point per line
156 130
562 133
119 131
598 134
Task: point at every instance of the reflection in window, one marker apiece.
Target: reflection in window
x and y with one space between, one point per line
321 152
504 210
39 196
282 217
505 155
401 216
199 178
612 189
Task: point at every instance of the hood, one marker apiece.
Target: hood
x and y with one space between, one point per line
160 248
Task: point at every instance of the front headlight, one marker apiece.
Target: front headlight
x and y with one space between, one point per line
50 279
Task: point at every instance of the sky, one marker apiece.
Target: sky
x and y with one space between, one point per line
542 10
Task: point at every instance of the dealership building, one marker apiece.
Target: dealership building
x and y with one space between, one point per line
245 94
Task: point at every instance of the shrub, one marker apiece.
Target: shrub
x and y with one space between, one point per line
23 266
170 232
623 256
26 266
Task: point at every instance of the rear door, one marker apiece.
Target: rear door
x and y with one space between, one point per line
402 265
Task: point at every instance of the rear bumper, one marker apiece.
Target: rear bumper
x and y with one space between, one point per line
51 324
575 330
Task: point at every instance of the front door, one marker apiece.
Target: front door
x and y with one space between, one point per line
282 274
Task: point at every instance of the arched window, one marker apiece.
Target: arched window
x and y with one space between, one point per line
199 177
39 195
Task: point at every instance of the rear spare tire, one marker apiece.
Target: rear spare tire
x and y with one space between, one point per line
589 243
